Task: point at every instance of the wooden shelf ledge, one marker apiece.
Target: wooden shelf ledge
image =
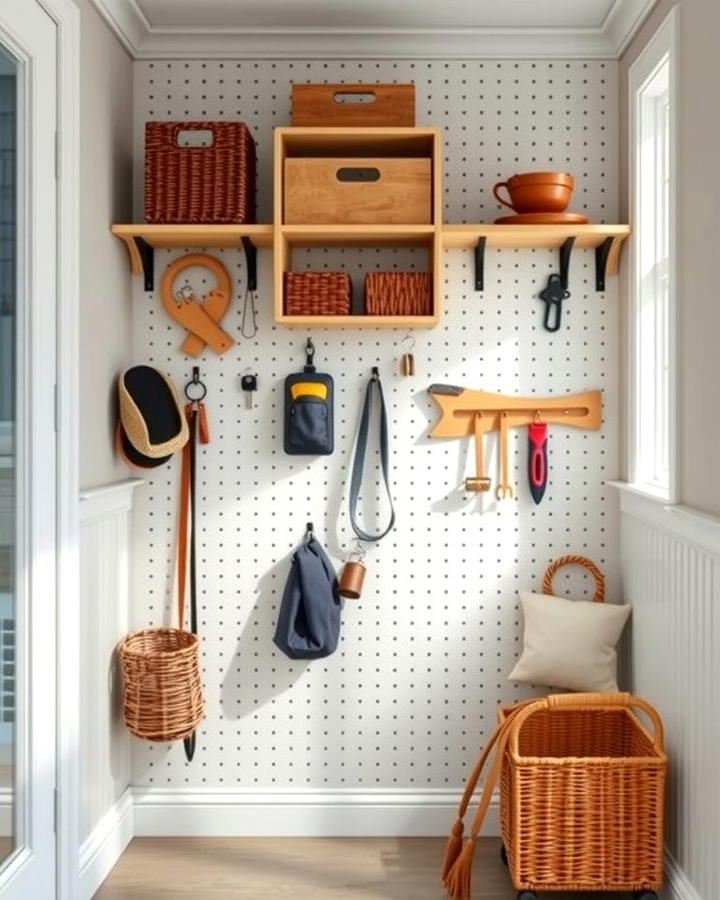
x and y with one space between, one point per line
358 235
403 322
520 237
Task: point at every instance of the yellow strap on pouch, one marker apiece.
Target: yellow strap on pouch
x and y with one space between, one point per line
313 388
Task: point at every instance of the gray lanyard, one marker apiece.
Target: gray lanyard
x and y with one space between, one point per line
359 461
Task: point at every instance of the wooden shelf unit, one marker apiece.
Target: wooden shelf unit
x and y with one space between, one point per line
357 143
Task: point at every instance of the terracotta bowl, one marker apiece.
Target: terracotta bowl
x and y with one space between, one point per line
533 192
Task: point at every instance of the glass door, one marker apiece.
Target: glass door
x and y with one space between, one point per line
27 450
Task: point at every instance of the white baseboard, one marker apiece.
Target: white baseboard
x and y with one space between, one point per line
678 886
300 813
103 848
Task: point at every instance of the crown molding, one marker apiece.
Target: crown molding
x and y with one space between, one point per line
146 42
623 22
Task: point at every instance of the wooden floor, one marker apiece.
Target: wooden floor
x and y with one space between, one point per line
305 869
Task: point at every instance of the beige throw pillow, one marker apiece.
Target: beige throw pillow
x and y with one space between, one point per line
569 643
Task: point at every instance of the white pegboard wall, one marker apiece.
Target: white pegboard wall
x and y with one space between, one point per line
414 686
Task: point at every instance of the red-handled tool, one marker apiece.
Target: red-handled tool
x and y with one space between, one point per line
537 459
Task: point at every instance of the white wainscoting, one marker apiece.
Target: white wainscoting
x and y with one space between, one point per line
175 812
105 756
671 575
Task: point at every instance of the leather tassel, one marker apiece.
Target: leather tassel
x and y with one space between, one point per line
203 429
459 879
453 848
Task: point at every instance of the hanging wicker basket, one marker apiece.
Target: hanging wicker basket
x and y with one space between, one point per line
162 692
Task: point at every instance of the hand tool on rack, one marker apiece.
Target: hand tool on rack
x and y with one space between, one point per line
200 319
459 409
552 296
537 458
504 490
480 482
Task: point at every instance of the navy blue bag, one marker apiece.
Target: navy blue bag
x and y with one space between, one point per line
308 625
309 410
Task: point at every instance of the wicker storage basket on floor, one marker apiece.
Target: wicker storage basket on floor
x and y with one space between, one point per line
582 794
398 294
199 185
317 294
162 692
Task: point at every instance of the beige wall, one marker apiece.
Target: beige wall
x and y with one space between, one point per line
698 243
105 196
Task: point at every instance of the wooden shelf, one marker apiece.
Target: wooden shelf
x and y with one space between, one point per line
520 237
142 239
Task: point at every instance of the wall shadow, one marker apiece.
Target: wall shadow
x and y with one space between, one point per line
258 671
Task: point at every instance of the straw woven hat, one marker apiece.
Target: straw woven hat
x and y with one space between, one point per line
151 413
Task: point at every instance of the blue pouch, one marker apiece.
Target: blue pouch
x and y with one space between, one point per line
308 625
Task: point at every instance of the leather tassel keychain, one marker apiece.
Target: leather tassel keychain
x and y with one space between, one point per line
407 360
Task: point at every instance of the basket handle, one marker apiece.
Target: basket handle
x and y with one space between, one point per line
575 560
589 700
179 127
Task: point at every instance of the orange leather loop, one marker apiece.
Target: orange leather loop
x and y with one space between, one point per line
184 507
182 539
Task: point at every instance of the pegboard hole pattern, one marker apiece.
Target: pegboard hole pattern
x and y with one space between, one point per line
413 689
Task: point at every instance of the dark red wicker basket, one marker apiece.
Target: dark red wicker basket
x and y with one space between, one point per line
398 294
317 294
199 185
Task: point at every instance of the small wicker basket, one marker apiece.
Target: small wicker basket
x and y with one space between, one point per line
398 294
199 185
162 692
317 294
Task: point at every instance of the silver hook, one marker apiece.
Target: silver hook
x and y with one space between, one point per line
407 347
357 550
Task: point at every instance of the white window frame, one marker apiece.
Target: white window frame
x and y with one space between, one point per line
661 47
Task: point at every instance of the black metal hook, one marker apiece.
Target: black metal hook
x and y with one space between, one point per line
193 384
565 253
309 355
480 264
309 531
251 262
602 253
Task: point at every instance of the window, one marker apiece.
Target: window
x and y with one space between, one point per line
652 357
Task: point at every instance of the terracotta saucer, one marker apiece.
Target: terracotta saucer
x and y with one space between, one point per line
543 219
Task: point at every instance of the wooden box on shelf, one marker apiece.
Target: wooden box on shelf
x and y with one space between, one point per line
337 104
357 191
364 146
